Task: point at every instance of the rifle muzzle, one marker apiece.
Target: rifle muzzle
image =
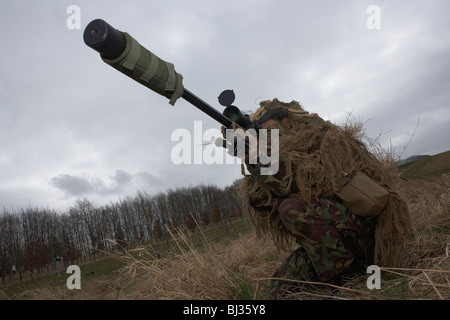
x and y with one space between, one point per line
124 53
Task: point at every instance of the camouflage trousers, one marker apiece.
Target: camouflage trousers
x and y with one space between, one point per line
333 242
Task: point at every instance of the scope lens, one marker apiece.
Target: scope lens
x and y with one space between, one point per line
234 117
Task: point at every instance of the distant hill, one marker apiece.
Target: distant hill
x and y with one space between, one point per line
403 162
425 166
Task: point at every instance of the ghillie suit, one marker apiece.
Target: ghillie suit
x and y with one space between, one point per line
316 159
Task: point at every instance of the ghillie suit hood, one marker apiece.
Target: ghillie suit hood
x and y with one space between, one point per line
318 158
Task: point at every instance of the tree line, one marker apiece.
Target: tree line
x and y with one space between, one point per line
32 238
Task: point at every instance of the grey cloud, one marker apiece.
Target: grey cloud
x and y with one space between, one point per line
121 181
148 178
75 185
71 113
122 177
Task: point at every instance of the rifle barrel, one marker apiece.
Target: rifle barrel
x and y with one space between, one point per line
111 43
206 108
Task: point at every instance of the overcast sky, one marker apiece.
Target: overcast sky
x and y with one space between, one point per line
72 127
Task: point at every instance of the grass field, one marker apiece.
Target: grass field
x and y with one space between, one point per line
238 266
427 167
103 273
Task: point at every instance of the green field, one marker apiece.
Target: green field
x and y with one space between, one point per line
427 167
107 268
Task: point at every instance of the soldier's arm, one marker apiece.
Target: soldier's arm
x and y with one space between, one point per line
277 182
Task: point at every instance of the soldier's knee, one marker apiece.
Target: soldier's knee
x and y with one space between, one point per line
304 219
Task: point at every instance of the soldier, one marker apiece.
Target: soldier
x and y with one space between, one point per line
301 201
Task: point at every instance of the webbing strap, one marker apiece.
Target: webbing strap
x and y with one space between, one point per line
178 91
133 56
174 81
278 113
151 71
171 77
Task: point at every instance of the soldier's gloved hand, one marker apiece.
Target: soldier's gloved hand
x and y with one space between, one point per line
251 152
271 170
240 143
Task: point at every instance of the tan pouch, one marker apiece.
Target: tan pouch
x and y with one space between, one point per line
363 196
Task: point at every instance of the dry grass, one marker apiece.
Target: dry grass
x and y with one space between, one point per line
427 256
215 271
241 268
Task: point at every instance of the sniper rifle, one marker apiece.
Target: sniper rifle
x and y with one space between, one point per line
124 53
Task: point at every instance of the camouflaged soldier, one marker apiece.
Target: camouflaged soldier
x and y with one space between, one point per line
300 202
